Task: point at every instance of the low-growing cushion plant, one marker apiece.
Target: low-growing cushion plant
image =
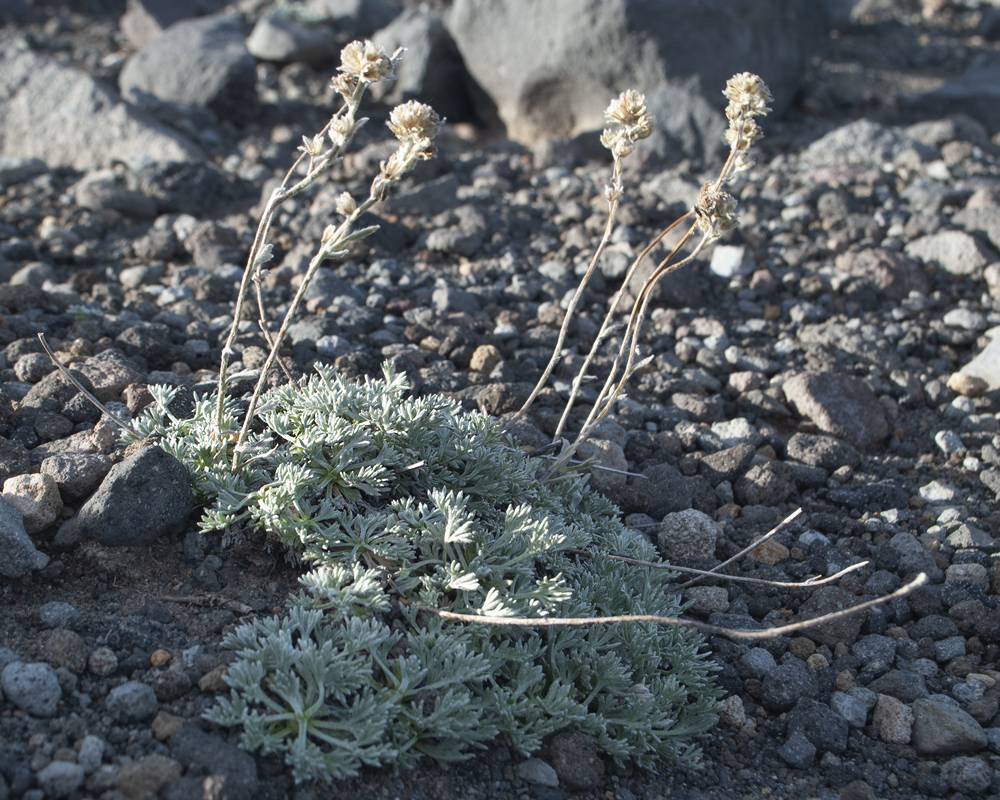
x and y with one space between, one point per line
400 506
405 510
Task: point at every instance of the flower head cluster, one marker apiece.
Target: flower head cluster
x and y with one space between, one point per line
340 130
367 62
415 121
629 120
415 125
716 210
748 97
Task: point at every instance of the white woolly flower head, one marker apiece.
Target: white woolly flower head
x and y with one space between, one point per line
629 121
748 94
366 61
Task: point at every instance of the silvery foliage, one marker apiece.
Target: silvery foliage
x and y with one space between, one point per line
387 496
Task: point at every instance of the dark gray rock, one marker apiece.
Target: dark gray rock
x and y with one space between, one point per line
56 614
914 557
688 124
823 727
432 70
839 404
77 474
827 600
276 38
798 752
105 189
86 125
131 702
33 688
956 252
663 490
786 684
968 775
17 169
552 67
359 17
728 464
200 189
574 757
767 484
877 653
146 496
860 143
975 92
18 554
822 451
210 754
942 728
687 535
199 62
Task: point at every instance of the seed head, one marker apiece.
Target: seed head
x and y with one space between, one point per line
629 121
618 142
716 211
346 205
413 120
748 95
339 130
344 85
312 147
742 135
629 110
367 62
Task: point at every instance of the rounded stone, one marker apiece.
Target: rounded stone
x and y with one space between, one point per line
57 614
60 778
91 753
102 662
485 358
968 775
608 472
64 648
37 498
705 600
733 714
34 688
767 484
689 534
941 728
132 702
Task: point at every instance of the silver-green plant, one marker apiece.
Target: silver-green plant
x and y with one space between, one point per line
402 506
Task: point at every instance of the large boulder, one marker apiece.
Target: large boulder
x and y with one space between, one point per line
65 118
200 62
552 67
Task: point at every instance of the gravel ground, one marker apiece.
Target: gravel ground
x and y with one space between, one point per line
818 359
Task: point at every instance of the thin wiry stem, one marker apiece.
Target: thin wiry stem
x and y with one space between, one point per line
93 400
613 203
749 548
606 324
704 627
281 194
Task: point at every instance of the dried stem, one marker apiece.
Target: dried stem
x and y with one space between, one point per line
613 203
749 548
93 400
606 324
770 633
258 251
